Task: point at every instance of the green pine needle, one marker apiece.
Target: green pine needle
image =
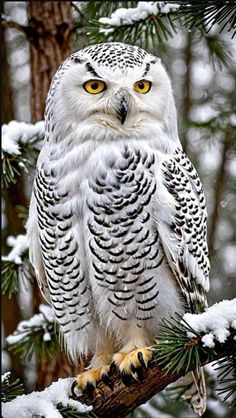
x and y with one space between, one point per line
175 351
10 390
15 275
227 378
10 282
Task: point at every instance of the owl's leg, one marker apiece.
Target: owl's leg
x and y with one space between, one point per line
98 369
134 356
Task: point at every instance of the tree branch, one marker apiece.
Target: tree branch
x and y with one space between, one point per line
13 25
122 400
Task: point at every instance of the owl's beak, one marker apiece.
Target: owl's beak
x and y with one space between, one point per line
122 109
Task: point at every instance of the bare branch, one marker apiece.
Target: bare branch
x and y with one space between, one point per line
13 25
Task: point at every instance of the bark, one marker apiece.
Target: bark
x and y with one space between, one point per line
49 34
123 400
58 366
11 313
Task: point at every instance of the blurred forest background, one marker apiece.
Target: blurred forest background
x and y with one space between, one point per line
37 37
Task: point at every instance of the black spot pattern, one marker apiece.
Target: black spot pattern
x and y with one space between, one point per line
115 54
124 240
190 221
69 291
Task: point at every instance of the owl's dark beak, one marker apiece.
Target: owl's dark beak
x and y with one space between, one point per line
122 109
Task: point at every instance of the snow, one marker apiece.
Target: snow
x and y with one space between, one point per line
16 133
42 320
215 323
144 9
19 245
44 403
5 376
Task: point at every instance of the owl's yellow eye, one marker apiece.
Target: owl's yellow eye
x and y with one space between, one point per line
94 86
142 86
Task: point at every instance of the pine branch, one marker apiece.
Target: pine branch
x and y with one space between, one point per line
145 28
39 335
21 143
10 390
204 15
15 269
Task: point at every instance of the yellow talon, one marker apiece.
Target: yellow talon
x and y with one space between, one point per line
88 380
131 363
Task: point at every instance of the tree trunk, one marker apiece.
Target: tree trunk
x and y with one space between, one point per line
49 33
11 313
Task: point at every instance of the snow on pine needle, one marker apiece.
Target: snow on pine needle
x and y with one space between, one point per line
144 9
148 20
38 335
15 268
10 390
215 323
182 341
21 143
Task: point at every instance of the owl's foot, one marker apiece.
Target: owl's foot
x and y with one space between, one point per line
132 364
87 381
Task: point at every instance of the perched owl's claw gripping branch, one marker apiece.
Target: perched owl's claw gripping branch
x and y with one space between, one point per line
130 366
87 381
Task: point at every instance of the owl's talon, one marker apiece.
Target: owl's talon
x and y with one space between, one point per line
132 364
112 367
139 372
107 381
73 392
89 389
141 360
87 381
126 378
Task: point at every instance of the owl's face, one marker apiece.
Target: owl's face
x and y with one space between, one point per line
118 90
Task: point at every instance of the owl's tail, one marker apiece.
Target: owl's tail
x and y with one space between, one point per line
195 393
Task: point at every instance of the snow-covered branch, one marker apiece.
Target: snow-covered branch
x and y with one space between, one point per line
144 9
21 143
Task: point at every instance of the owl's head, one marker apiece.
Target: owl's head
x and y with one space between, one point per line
115 91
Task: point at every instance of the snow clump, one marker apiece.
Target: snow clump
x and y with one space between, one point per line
215 323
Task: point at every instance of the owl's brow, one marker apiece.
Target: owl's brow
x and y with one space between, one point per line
92 70
147 68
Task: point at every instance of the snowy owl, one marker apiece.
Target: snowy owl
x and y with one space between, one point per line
117 221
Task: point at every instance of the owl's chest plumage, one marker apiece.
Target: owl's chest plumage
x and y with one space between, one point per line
106 216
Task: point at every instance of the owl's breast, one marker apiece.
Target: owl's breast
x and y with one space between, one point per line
121 237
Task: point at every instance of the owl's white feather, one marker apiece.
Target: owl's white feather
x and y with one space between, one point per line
117 223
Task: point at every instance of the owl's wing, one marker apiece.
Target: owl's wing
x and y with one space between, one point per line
183 229
56 251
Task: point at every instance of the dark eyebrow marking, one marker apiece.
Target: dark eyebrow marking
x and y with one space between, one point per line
91 69
146 69
78 60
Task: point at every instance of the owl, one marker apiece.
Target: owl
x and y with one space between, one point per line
117 220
